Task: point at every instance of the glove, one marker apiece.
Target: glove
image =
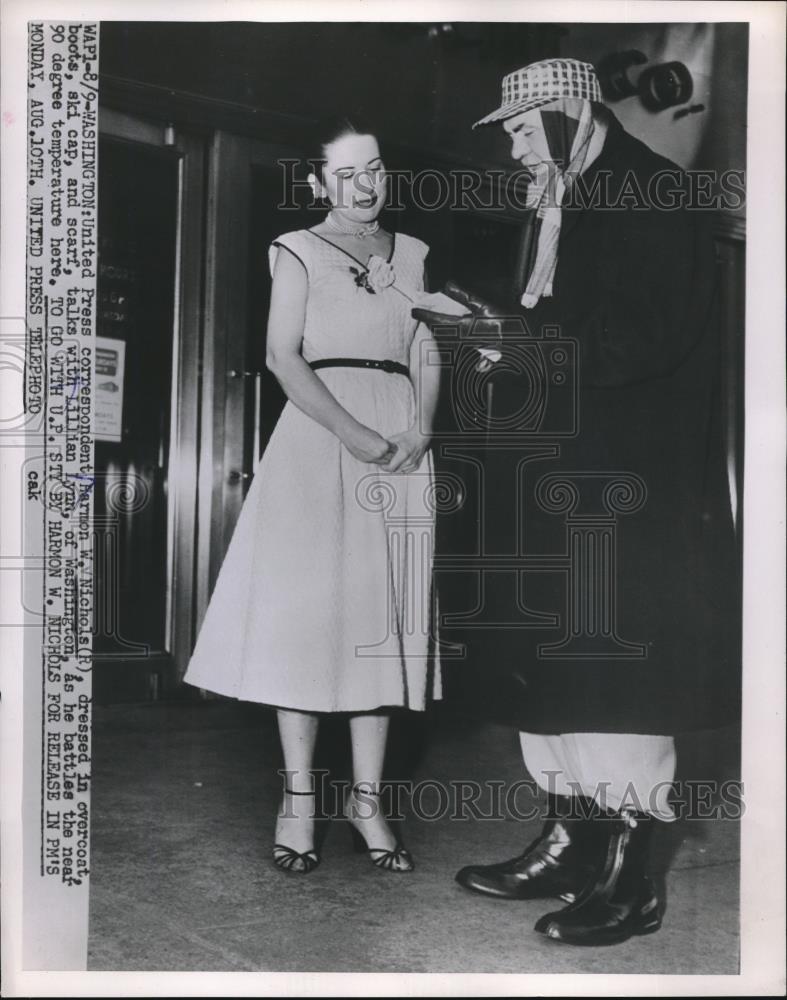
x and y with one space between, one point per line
484 324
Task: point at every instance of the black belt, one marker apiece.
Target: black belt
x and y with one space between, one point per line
392 367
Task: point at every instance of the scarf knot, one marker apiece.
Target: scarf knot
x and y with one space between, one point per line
549 189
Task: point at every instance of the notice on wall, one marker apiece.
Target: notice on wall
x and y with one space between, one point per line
110 367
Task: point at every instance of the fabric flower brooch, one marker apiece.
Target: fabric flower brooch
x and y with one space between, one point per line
379 274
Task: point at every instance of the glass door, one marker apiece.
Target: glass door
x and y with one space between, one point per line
241 399
148 333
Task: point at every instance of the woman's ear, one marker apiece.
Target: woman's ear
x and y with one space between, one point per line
318 188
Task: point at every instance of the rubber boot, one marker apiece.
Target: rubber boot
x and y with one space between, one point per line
557 864
620 901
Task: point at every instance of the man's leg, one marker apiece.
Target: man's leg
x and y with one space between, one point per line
547 759
629 777
617 770
561 861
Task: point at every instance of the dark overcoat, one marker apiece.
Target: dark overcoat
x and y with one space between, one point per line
627 614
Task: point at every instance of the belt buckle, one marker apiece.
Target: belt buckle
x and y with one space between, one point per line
388 366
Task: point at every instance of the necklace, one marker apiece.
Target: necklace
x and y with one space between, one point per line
361 232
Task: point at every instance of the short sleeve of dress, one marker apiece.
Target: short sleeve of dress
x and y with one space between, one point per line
292 243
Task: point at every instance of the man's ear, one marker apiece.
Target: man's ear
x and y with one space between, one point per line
317 186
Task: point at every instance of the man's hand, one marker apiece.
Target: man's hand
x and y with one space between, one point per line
476 311
411 446
482 326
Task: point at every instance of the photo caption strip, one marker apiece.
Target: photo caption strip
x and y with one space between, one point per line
62 267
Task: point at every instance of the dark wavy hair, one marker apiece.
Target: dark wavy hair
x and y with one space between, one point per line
329 131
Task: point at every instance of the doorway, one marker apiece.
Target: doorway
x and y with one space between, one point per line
148 330
185 220
241 399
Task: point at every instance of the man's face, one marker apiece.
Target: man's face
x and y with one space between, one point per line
528 140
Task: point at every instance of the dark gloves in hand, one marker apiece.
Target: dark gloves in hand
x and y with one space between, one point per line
484 325
479 311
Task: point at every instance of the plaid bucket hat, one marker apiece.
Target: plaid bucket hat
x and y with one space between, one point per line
543 82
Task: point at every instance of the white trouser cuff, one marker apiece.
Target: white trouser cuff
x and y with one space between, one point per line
617 770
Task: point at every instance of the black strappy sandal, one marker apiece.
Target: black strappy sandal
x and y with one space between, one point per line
290 860
398 860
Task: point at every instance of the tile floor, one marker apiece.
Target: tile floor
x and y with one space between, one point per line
184 799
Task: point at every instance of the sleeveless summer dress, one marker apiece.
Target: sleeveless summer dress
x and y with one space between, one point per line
324 600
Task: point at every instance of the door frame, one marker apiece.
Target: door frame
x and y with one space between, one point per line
181 472
226 463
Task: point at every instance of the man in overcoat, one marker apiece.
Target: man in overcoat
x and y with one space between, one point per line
633 637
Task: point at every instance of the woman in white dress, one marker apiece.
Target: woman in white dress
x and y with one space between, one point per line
323 602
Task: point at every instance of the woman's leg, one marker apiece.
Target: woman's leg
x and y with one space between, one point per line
368 734
295 823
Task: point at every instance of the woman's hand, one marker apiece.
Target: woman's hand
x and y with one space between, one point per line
411 446
367 445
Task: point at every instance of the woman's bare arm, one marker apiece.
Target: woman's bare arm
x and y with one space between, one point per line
412 443
425 373
285 335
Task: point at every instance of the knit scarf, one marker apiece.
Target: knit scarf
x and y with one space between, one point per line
568 125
